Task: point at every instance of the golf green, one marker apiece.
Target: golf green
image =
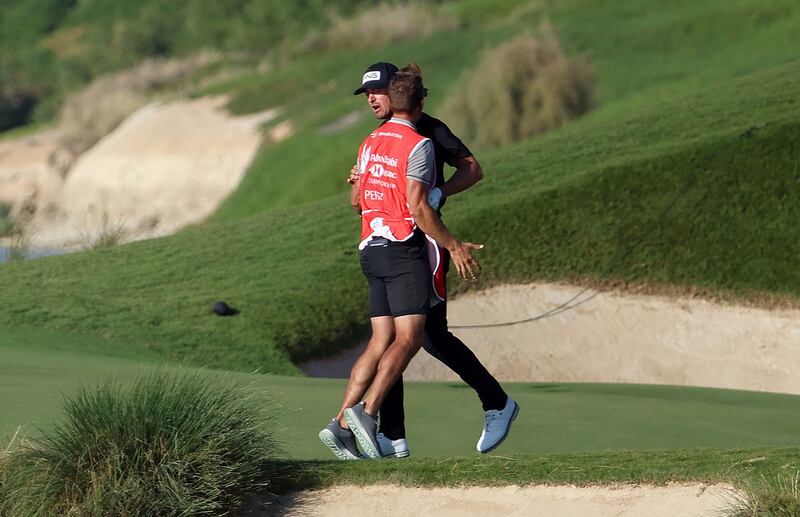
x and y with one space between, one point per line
443 419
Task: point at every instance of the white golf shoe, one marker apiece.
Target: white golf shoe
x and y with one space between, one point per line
496 424
393 448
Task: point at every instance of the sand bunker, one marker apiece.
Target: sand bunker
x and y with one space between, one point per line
552 501
165 167
615 337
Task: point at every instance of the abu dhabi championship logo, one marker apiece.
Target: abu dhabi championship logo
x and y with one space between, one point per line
391 161
364 159
371 76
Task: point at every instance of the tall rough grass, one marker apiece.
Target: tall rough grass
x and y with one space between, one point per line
775 496
104 233
169 446
4 452
6 224
519 89
19 241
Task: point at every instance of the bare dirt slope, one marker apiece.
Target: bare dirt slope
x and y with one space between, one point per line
616 337
552 501
26 172
166 166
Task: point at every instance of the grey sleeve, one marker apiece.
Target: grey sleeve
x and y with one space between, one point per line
421 164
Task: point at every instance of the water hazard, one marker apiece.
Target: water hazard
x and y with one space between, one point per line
7 253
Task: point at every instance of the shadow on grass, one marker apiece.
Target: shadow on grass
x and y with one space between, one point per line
290 479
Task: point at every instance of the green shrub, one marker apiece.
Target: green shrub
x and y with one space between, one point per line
519 89
168 446
774 496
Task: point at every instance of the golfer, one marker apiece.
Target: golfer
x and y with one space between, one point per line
499 409
395 174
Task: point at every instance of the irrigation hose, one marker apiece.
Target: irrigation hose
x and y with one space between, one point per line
571 303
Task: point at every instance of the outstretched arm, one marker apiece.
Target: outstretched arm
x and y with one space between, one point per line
430 223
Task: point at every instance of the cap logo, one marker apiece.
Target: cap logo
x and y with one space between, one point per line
375 75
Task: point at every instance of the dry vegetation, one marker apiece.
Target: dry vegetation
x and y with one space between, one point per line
6 224
102 233
381 25
777 495
95 111
15 236
521 88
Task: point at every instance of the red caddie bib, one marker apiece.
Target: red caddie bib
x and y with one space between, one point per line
383 163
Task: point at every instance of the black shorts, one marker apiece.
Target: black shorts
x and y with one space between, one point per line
399 276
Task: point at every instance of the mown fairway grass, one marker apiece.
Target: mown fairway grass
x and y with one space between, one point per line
640 53
698 106
566 433
444 419
567 205
608 467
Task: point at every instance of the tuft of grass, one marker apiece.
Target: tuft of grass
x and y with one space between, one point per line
20 242
107 234
170 445
6 223
519 89
4 453
774 495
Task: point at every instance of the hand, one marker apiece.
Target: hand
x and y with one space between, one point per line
467 267
354 175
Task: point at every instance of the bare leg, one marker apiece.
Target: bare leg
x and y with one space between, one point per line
409 335
366 365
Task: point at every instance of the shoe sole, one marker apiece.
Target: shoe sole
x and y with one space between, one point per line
335 445
508 429
397 455
362 437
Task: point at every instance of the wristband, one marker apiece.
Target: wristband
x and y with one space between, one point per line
435 197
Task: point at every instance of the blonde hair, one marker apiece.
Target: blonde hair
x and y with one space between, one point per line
406 90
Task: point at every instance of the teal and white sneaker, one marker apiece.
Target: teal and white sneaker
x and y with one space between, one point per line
340 441
365 427
393 448
496 425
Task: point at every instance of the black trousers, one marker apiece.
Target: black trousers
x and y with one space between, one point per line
451 351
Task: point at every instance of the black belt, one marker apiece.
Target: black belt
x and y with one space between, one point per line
378 242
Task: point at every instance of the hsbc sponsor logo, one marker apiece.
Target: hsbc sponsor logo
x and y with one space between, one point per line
371 76
388 160
377 171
